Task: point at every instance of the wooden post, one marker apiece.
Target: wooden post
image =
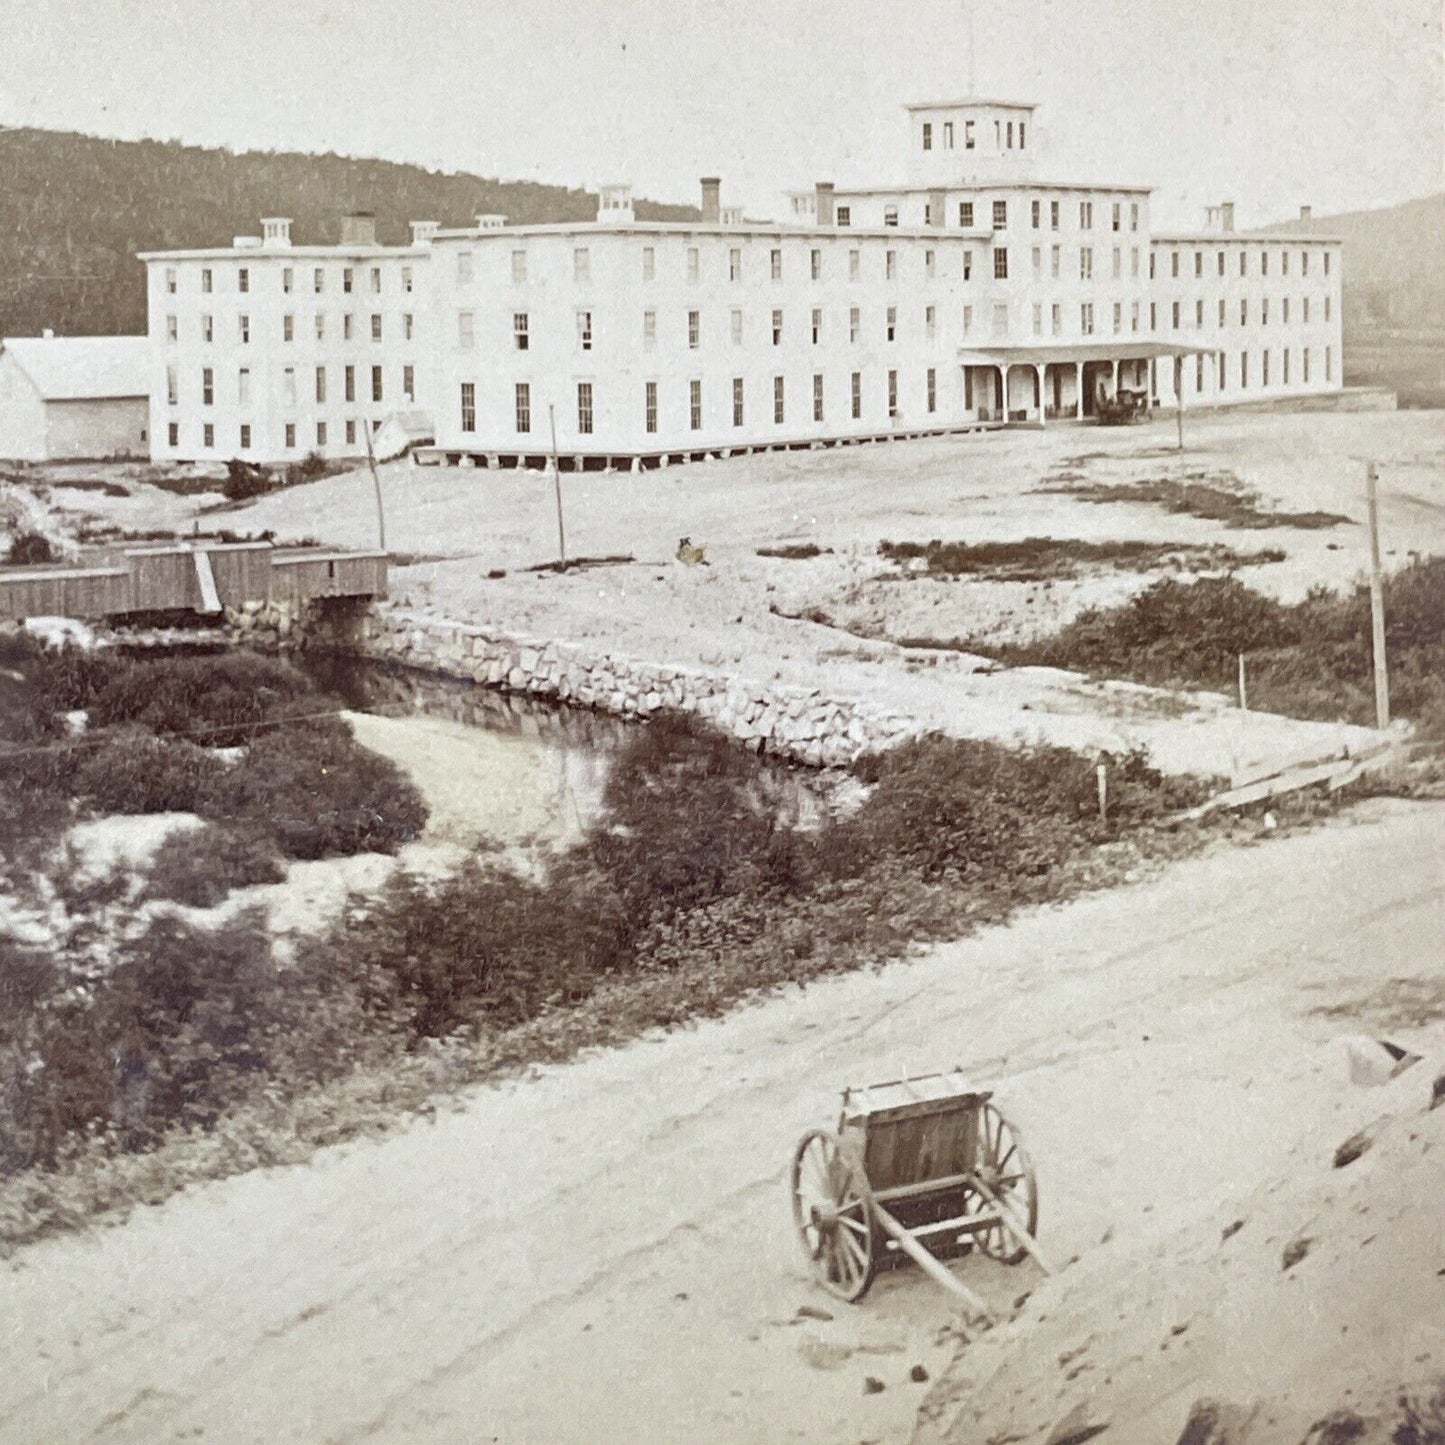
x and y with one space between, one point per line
1102 774
557 487
376 486
1243 693
1179 398
1377 601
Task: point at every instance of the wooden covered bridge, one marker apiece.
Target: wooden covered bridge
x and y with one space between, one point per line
193 576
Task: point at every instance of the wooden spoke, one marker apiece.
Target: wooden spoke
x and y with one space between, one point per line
831 1215
1004 1166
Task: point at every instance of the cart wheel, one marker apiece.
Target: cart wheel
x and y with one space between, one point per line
1004 1165
830 1210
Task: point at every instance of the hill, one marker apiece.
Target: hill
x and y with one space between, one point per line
75 209
1394 266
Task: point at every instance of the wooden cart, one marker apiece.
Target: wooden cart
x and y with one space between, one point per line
920 1168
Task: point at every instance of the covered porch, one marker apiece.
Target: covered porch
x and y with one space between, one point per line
1034 385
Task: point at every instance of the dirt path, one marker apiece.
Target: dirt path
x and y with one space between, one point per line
602 1253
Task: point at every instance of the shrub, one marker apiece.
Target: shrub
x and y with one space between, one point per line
245 480
310 468
29 549
201 869
138 773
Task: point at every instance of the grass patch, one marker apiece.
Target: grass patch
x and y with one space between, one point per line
200 869
1045 559
795 551
1212 497
1310 659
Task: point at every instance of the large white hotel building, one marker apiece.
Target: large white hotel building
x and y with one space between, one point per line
972 294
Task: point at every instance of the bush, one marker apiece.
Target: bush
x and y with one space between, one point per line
310 468
200 869
244 481
29 549
138 773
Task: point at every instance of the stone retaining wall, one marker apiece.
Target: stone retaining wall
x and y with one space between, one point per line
794 723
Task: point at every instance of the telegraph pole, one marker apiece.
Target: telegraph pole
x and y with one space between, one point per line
557 487
376 485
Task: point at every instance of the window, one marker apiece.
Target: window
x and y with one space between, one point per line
1000 263
815 264
349 380
464 329
1329 352
892 323
1056 259
522 407
777 328
171 280
968 135
1284 310
694 389
408 382
1284 366
930 265
205 278
1118 263
1153 317
890 215
208 386
855 323
965 215
844 215
1243 262
1198 264
1264 312
321 326
1222 317
406 285
171 329
243 325
932 390
1199 373
584 408
1133 215
856 391
968 265
1038 258
321 433
376 278
1038 318
376 383
1327 308
464 268
173 434
469 407
173 389
693 263
1036 209
1000 215
321 384
1151 265
892 393
737 401
930 322
1086 263
649 330
348 280
928 135
1086 318
208 434
1244 311
243 386
1264 263
1056 319
948 135
1118 317
290 436
584 330
1134 316
649 407
1134 261
519 266
1086 215
1305 307
346 326
1000 318
694 329
1219 260
1174 264
288 279
350 433
1244 368
778 410
890 265
967 320
817 325
376 328
318 280
521 336
1199 314
737 325
1174 315
581 265
818 396
1304 263
288 327
775 263
243 279
1305 364
1053 215
1284 263
855 265
735 264
1118 217
649 263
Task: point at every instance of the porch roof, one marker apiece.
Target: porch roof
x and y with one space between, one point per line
1117 350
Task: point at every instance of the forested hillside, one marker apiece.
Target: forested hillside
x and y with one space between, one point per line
75 209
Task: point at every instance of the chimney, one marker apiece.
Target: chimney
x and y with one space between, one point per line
826 213
1226 216
358 228
423 231
711 200
276 230
1306 212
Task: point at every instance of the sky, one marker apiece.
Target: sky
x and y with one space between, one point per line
1338 104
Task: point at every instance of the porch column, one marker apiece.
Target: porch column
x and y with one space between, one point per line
1043 398
1003 393
1116 377
1078 391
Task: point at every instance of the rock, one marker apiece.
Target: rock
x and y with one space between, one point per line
1353 1148
872 1385
1230 1230
812 1312
918 1374
1295 1251
1437 1091
1080 1424
1370 1062
1339 1427
1216 1422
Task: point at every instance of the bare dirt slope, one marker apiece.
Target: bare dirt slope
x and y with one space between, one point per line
602 1253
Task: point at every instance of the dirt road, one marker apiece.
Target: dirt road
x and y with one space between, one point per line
602 1253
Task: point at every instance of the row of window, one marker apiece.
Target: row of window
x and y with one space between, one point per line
321 432
289 387
1220 366
245 329
998 211
522 402
1284 312
947 133
1221 264
373 276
